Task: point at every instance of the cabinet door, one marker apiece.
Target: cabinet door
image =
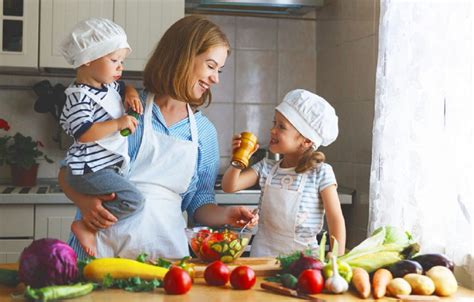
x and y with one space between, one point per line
145 21
57 19
19 33
16 221
10 250
54 221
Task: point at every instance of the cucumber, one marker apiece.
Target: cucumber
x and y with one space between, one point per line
9 277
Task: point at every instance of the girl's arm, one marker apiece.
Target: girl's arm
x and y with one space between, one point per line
94 215
334 217
235 179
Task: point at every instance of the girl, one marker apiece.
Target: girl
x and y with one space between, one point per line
299 189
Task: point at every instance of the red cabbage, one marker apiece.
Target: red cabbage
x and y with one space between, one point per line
48 262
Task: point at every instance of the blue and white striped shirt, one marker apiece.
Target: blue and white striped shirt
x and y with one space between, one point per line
310 216
201 188
79 113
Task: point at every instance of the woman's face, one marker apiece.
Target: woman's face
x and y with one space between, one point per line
207 67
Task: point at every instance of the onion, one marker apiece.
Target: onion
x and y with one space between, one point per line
48 262
304 263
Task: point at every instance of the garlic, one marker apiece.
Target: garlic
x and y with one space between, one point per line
336 284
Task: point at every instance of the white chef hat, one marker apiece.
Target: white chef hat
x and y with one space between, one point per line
311 115
91 39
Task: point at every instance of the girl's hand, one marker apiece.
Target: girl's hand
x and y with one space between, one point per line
236 140
133 101
94 215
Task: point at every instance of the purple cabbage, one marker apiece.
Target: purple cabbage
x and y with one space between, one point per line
48 262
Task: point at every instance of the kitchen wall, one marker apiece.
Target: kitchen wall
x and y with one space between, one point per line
346 45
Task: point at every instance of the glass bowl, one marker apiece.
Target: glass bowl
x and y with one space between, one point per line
217 244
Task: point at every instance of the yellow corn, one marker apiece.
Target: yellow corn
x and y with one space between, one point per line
121 268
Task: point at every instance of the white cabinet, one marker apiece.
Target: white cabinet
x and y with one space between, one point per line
54 221
10 249
144 21
16 230
19 33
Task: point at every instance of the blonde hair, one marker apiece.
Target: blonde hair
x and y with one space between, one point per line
310 160
169 69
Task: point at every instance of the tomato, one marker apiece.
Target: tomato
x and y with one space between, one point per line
310 281
217 273
177 281
242 277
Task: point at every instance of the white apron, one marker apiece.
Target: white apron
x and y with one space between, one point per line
111 103
276 228
162 171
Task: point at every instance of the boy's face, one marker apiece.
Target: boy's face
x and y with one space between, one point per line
108 68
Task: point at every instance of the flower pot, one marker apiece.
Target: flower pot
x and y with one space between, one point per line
24 177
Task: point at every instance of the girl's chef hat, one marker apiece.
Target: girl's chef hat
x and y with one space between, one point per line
91 39
311 115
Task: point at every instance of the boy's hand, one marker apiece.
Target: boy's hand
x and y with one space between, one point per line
127 122
132 100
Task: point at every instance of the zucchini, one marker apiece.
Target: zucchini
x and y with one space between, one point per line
9 277
121 268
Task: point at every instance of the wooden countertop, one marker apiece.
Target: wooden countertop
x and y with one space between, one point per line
202 292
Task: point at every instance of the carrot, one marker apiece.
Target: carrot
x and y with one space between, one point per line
381 279
361 281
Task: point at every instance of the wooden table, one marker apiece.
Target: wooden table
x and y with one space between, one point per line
202 292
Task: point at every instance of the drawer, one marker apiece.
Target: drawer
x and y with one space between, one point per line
10 249
16 221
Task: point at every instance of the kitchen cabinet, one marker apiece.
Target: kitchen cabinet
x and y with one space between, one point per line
144 21
19 20
16 230
54 221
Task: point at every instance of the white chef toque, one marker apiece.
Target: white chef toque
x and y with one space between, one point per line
91 39
311 115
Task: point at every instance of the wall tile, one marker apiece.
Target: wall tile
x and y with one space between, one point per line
224 91
256 33
256 119
362 123
297 69
296 34
362 178
365 64
256 77
222 116
345 172
227 25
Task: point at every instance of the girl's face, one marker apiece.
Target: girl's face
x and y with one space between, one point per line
207 67
107 69
284 138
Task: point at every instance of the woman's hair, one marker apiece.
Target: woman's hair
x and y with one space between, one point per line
310 160
169 69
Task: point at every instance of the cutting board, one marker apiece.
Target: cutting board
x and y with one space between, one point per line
263 266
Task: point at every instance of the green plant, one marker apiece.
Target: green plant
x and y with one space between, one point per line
18 149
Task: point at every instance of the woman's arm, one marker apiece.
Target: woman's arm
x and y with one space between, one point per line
216 216
335 219
94 215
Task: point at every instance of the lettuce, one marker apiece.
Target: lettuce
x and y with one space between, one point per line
386 245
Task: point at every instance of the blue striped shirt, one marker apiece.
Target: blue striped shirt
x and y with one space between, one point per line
79 113
201 188
310 216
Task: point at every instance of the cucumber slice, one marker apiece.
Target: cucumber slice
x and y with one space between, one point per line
232 252
244 241
227 259
216 247
225 247
237 247
233 243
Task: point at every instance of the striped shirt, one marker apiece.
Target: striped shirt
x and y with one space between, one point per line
201 189
79 113
310 216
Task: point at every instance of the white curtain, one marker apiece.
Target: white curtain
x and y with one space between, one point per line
422 175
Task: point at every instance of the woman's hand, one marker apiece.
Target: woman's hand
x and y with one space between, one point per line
238 216
94 215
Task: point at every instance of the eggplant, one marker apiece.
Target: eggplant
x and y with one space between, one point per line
427 261
404 267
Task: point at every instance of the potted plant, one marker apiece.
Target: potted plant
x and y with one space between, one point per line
21 153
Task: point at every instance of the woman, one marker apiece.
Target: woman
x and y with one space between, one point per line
174 153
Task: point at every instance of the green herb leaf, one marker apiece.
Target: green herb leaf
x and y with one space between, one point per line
142 257
163 263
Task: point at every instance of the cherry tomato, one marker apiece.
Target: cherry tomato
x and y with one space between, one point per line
310 281
177 281
242 277
217 273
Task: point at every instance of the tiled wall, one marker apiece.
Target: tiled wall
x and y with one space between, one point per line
347 40
269 57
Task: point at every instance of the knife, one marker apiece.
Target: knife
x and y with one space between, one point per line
277 288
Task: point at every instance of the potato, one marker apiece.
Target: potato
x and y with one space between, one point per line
420 285
443 279
398 286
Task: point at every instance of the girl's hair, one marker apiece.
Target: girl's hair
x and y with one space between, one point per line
310 160
170 67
